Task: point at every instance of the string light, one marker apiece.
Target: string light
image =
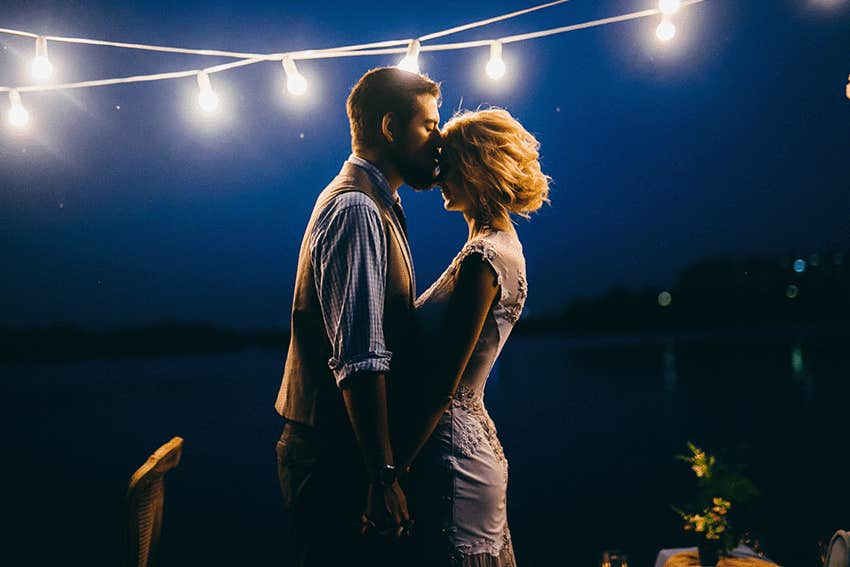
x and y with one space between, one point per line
207 99
410 62
295 82
669 7
665 30
42 68
847 89
18 115
496 65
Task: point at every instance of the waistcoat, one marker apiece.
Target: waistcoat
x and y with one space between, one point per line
308 393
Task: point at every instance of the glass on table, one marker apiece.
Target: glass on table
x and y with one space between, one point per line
614 558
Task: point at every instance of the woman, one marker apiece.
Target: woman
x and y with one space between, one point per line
489 170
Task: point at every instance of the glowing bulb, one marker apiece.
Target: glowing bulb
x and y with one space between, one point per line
295 82
496 66
18 115
669 7
410 62
42 68
847 89
207 99
665 30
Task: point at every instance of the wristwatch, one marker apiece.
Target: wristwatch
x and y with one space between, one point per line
386 475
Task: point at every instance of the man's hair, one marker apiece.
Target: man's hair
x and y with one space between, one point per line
380 91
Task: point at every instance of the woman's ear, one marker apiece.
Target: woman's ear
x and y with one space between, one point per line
388 127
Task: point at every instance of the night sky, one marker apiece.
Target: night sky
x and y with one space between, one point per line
123 206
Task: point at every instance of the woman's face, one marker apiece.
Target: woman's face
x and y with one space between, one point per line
455 195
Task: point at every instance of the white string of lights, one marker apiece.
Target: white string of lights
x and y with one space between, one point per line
489 21
243 55
42 68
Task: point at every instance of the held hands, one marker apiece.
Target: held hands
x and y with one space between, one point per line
386 511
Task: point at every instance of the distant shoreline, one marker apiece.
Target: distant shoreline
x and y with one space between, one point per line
66 343
717 297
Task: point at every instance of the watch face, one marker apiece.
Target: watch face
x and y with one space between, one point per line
386 475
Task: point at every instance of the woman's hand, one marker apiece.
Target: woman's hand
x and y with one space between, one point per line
386 511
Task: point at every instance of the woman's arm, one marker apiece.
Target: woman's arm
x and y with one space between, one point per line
442 366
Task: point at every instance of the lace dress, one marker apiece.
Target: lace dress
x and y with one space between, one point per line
464 444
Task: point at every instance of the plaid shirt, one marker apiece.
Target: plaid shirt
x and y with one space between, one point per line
348 250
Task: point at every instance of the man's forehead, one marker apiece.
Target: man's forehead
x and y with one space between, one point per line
428 107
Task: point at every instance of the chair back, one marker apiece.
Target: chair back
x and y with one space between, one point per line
838 554
144 503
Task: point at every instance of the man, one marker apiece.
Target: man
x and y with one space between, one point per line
352 317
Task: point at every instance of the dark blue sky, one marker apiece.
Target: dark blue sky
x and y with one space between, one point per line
120 207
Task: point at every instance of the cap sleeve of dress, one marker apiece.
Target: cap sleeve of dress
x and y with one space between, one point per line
510 276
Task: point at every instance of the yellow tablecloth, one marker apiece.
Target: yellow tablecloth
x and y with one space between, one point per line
691 559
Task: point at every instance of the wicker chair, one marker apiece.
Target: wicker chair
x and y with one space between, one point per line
144 502
838 554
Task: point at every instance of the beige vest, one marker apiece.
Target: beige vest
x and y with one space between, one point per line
309 394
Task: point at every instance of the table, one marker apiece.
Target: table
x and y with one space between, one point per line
741 556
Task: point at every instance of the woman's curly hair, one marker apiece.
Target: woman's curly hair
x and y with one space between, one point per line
497 159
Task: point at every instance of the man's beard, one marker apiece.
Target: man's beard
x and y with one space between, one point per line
413 173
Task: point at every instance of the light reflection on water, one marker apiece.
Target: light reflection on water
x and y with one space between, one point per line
800 373
668 365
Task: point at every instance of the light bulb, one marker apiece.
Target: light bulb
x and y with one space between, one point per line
665 30
207 99
847 91
410 62
41 66
18 115
496 65
669 7
295 82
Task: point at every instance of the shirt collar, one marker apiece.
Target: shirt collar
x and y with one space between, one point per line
378 178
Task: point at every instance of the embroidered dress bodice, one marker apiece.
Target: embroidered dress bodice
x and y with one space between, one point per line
476 525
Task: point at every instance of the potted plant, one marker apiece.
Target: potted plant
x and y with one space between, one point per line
719 487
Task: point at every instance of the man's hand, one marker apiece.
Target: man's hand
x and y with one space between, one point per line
386 511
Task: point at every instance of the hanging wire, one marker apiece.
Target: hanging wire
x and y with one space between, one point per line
489 21
349 51
273 56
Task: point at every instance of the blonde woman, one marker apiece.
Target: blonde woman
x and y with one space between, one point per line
489 170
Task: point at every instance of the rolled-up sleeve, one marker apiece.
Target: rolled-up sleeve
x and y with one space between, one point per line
348 250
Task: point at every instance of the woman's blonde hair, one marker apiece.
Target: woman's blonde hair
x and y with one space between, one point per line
497 160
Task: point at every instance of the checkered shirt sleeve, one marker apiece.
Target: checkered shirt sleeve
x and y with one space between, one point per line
349 255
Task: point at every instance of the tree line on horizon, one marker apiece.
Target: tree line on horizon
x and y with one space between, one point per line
717 293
